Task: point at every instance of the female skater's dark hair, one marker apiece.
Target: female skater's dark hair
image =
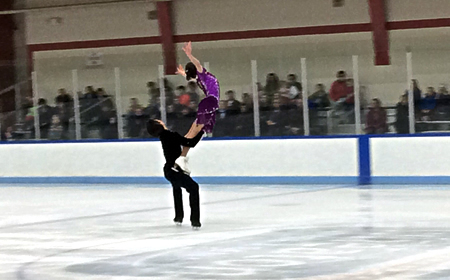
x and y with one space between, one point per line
154 128
191 71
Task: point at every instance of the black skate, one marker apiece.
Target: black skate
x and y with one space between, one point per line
196 225
178 221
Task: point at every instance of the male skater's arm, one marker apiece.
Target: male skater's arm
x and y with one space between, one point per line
190 142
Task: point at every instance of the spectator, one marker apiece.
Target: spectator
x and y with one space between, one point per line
402 121
153 91
233 106
64 110
168 91
105 99
443 103
277 120
172 117
428 105
295 124
63 97
192 90
108 123
342 95
295 88
90 93
319 99
417 93
45 117
376 119
135 119
264 105
247 100
153 109
183 97
283 96
245 122
272 86
221 129
340 91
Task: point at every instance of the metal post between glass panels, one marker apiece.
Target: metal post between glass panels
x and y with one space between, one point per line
119 103
305 98
35 106
409 69
162 90
357 95
256 120
76 104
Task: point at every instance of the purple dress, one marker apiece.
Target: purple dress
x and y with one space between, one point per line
206 113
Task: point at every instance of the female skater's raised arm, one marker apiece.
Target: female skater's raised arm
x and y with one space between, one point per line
188 50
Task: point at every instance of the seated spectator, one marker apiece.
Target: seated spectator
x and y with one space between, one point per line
45 117
376 119
277 120
56 128
428 105
264 105
153 109
183 97
295 124
168 91
402 114
283 96
222 129
319 99
193 91
64 110
153 91
417 93
272 86
135 119
443 103
233 106
295 88
341 93
108 123
247 100
245 122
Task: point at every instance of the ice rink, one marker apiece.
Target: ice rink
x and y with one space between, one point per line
249 232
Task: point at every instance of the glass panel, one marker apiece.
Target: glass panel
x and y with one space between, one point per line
431 97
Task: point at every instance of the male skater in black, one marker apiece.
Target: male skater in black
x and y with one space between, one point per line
172 143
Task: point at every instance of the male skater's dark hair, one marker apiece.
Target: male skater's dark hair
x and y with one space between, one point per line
154 128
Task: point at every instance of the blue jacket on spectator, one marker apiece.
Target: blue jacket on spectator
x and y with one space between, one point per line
428 103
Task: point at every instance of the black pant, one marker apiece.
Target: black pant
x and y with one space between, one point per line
180 180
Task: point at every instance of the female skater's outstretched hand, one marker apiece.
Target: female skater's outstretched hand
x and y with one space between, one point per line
188 49
180 71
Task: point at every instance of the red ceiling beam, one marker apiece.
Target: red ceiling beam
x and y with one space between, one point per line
164 9
380 32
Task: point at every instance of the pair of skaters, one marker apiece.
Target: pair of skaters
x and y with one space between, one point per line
176 147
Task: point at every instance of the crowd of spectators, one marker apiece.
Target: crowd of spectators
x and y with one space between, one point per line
97 115
280 109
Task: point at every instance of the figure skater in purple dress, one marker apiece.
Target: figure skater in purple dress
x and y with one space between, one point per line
206 113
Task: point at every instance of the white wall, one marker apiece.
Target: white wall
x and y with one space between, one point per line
398 10
299 157
94 23
205 16
412 156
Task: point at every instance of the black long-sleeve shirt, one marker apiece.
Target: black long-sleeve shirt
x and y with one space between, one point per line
171 143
